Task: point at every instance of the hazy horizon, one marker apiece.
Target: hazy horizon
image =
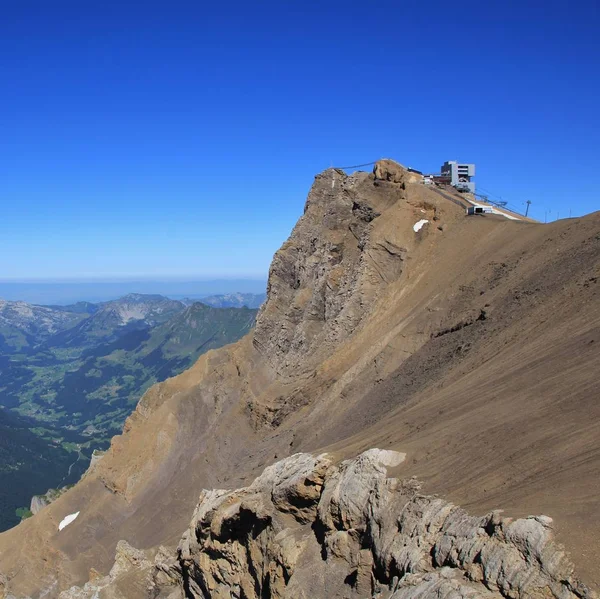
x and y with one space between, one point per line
61 292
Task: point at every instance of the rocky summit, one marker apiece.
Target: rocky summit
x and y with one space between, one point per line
415 414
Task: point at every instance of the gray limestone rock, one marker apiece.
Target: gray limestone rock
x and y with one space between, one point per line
309 528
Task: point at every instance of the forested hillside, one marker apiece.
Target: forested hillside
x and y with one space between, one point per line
70 376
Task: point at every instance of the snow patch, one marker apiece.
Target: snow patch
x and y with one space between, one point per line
509 216
67 520
419 225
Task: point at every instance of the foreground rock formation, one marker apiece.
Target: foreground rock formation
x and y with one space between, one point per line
470 345
308 528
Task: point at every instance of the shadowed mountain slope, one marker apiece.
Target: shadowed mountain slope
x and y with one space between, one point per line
130 312
27 463
67 393
470 345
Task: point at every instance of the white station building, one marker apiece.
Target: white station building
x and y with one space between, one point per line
460 175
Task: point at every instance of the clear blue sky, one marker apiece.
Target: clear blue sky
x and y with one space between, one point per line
180 138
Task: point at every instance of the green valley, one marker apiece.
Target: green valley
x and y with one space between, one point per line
70 376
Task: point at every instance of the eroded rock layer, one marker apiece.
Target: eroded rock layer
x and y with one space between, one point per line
308 528
326 277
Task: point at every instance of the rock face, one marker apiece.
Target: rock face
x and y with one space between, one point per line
326 277
389 170
39 502
308 528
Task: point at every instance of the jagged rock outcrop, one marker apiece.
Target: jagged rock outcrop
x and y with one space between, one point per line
39 502
309 528
97 456
389 170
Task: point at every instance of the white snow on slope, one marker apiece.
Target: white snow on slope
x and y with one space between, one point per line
67 520
494 210
418 226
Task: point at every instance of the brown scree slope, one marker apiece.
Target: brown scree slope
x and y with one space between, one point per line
471 345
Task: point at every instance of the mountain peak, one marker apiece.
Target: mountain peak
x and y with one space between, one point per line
140 307
466 344
348 247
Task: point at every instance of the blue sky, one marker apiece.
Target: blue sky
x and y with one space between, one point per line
179 139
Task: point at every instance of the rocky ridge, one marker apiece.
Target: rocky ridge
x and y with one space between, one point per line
322 286
307 527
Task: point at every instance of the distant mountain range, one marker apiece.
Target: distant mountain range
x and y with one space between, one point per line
65 292
24 325
70 375
232 300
